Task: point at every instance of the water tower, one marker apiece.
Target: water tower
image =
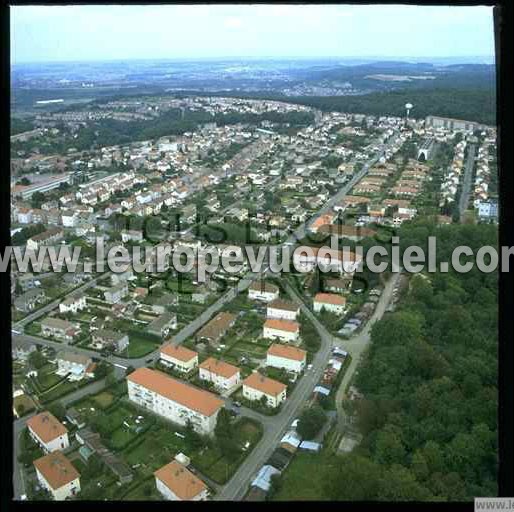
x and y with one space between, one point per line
408 106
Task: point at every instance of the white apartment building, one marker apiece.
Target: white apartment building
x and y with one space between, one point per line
174 400
56 474
289 358
307 258
176 483
48 432
256 386
72 304
282 310
329 302
178 357
224 376
286 330
263 291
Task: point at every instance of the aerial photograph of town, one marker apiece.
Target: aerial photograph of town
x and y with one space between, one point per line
253 253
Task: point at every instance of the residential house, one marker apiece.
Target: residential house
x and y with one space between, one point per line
178 357
224 376
57 474
286 330
48 432
59 329
261 290
176 483
329 302
76 365
283 356
345 261
21 350
256 386
72 304
282 309
131 235
28 301
161 326
337 285
48 237
103 338
116 293
216 328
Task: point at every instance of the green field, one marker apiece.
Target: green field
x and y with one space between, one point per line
139 346
301 481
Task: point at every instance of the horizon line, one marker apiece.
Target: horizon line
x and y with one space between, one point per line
263 57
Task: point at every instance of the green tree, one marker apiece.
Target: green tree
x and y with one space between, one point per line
389 448
36 359
37 199
58 410
399 484
311 422
353 478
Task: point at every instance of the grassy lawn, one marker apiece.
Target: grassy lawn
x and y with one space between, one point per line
140 346
23 404
301 481
46 376
159 446
146 490
121 437
61 389
210 460
33 328
103 399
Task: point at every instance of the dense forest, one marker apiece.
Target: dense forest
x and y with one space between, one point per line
470 104
20 125
429 416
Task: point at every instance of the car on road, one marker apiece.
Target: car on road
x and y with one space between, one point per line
309 367
236 404
149 361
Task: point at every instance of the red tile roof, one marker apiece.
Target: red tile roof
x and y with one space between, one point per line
330 298
282 325
287 352
193 398
184 484
56 469
178 352
219 367
264 384
46 426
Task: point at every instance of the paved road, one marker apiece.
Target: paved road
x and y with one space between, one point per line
467 180
19 425
18 326
356 345
277 425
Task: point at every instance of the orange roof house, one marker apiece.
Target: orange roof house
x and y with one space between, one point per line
46 426
181 482
264 384
287 352
218 367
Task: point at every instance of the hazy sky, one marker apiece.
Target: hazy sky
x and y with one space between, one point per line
104 32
